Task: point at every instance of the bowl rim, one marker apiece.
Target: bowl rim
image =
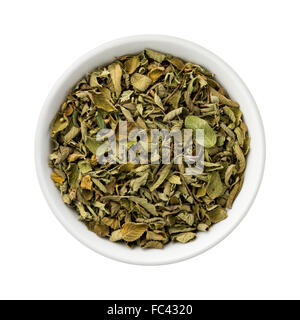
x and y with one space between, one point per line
85 57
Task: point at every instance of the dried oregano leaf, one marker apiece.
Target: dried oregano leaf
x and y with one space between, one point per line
153 244
217 215
57 178
174 179
92 144
103 102
135 184
86 183
155 73
223 99
232 195
132 231
116 236
59 123
194 122
145 204
101 230
140 82
202 227
114 223
172 114
178 63
157 56
85 166
231 169
156 235
163 175
189 218
132 64
174 99
116 75
240 157
148 205
185 237
215 186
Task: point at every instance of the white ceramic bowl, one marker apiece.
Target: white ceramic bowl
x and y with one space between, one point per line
188 51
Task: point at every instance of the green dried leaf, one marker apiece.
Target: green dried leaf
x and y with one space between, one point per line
126 95
140 82
100 121
139 182
217 215
240 136
174 179
157 56
194 122
145 204
132 64
229 172
215 186
223 99
92 144
155 73
114 223
153 244
156 235
127 114
174 99
240 157
162 177
103 103
84 166
178 63
58 124
185 237
158 101
74 177
94 77
202 227
83 213
101 230
100 185
189 218
172 114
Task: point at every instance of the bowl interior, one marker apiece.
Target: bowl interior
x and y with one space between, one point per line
237 90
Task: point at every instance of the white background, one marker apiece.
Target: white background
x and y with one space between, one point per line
39 40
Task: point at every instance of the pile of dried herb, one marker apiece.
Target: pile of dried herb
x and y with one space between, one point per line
151 204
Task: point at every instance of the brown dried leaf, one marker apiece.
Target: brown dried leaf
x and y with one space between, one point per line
240 157
101 230
155 73
223 99
56 178
116 75
111 222
86 183
132 231
132 64
153 244
178 63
